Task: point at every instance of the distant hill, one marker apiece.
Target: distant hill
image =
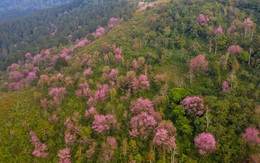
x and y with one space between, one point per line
10 9
6 5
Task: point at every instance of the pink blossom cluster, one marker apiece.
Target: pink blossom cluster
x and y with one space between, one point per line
225 86
234 49
232 28
251 136
198 64
53 118
142 124
71 129
165 134
82 43
44 80
13 66
57 94
30 77
218 31
99 95
113 20
109 148
141 4
203 19
39 148
141 105
15 76
15 86
83 90
91 111
64 156
37 58
143 82
162 138
118 54
193 105
145 118
135 64
206 143
99 32
103 123
88 72
248 23
113 74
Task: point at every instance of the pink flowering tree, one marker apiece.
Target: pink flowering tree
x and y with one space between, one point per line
43 81
235 49
39 148
57 94
143 82
15 76
113 74
83 91
82 43
108 149
193 105
198 65
248 25
64 156
103 123
90 112
118 54
251 136
99 32
202 19
165 137
144 119
206 143
225 86
218 31
30 77
71 129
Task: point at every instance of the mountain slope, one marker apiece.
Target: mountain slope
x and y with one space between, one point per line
131 92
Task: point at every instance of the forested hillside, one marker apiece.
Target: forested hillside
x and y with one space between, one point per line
56 27
164 81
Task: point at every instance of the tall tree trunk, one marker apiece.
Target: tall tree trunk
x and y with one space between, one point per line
249 57
216 48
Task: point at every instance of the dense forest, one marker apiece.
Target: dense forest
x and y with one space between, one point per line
14 9
6 5
160 81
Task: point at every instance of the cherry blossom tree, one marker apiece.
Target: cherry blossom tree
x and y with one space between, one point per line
39 148
64 156
165 138
206 143
225 86
57 94
103 123
234 49
202 19
193 105
198 65
248 25
251 136
99 32
218 31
